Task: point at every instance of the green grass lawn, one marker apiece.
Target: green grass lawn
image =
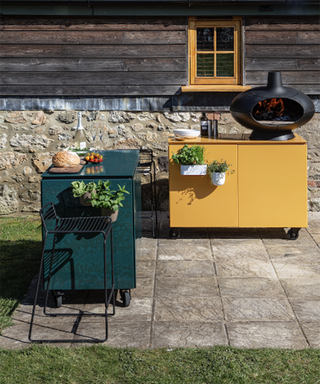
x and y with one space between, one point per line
20 248
20 252
100 364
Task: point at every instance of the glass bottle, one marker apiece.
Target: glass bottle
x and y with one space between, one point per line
204 125
80 140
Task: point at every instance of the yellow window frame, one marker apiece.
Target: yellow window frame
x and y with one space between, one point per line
236 23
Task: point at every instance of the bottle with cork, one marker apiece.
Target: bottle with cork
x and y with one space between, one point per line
80 140
204 125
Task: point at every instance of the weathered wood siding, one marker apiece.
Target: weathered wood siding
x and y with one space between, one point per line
289 45
83 56
92 57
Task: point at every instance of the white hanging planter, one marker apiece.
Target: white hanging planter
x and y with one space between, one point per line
218 178
193 170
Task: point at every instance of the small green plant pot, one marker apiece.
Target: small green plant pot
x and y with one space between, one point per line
84 199
110 213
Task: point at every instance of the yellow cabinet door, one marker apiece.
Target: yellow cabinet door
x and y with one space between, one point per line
194 202
272 185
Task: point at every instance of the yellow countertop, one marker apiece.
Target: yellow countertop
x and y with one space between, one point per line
235 139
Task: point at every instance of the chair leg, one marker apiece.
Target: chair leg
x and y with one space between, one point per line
112 274
105 284
49 276
154 197
37 288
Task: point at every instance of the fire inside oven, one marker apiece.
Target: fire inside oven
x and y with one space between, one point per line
276 110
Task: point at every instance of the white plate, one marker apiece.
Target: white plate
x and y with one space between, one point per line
186 133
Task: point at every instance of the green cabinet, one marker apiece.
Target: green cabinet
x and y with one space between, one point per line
78 261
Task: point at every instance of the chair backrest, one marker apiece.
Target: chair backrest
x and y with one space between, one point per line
48 213
146 159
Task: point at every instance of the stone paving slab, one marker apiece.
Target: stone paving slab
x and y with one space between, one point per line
312 332
250 287
121 334
182 308
266 335
291 252
245 267
244 287
306 310
242 250
188 334
182 268
186 286
257 309
184 252
302 288
145 287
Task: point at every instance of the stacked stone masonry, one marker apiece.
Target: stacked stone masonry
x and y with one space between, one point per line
29 139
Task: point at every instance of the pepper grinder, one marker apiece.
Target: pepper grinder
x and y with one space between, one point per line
215 132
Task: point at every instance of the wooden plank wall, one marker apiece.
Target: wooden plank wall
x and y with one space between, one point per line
289 45
92 57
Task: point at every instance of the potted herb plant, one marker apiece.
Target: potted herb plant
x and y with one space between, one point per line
191 160
217 171
82 190
101 196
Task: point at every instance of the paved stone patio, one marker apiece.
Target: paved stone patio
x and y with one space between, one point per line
248 288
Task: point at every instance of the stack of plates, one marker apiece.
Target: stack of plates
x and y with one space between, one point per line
182 134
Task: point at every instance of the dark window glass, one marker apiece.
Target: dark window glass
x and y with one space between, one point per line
225 66
225 39
205 65
205 38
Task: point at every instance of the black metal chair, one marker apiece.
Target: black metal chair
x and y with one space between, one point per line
147 166
52 224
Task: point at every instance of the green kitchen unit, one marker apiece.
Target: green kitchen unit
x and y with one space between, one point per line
78 259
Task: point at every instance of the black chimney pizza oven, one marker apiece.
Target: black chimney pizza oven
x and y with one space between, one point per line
272 111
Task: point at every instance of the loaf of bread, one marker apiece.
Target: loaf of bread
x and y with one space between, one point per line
65 159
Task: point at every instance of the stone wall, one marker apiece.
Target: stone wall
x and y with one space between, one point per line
29 139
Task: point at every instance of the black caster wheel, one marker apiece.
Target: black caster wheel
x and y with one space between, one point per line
125 297
57 298
174 233
293 233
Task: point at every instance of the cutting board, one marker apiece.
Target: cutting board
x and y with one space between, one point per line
68 169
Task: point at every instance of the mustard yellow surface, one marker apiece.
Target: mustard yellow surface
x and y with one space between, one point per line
272 185
268 188
194 202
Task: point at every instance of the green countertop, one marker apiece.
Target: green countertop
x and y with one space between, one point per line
116 163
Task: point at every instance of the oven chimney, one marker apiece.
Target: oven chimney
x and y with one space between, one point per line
274 80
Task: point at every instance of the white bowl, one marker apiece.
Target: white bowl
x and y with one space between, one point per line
186 133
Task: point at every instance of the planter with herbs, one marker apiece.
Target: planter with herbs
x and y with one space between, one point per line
100 196
191 160
217 171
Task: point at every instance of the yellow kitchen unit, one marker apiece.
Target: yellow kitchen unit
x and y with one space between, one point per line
267 189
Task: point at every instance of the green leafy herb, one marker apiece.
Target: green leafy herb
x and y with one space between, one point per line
101 194
219 167
189 155
77 149
79 188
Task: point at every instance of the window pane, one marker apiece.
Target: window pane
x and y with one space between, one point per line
205 39
225 67
225 39
205 65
